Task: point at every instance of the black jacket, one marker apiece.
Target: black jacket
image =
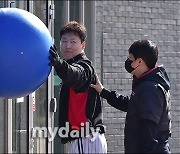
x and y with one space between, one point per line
78 73
147 126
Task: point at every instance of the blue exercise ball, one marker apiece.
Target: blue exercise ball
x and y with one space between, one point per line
24 52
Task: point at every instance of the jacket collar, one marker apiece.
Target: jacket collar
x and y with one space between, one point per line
137 80
77 58
156 74
148 72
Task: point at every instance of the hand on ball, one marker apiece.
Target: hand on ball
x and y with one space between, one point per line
54 57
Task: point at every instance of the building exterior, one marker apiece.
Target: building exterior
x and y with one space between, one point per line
112 27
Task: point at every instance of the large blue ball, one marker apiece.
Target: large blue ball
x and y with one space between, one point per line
24 52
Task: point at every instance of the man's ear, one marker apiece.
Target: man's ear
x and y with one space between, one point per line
140 60
83 45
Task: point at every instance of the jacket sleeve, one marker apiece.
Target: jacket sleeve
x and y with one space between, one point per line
77 75
119 102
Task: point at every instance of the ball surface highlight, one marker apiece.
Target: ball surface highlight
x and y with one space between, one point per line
24 52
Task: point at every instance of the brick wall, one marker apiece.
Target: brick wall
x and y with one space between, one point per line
119 24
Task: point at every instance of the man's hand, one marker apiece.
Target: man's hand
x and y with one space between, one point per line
54 57
98 86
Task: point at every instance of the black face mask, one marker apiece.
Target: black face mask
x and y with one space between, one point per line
128 66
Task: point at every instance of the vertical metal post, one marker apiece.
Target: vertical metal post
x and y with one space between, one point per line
30 101
8 106
31 140
81 11
66 9
93 29
50 81
90 24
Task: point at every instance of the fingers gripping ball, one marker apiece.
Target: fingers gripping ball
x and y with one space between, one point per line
24 52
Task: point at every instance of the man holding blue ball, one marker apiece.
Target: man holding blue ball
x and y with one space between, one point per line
80 106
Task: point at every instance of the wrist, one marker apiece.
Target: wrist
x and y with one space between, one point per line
101 88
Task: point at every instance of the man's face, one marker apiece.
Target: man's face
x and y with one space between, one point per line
135 63
71 45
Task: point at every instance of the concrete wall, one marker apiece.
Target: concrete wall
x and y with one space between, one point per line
118 25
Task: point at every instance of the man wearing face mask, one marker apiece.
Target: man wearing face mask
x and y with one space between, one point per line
147 125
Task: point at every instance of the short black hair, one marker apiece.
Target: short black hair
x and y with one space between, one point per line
75 27
145 49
